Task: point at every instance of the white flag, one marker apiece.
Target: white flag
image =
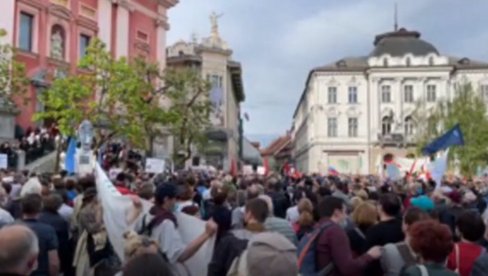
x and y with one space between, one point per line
438 168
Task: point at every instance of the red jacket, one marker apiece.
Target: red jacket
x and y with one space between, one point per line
333 246
468 253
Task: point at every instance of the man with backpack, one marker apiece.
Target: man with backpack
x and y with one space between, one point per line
326 250
234 243
397 256
160 224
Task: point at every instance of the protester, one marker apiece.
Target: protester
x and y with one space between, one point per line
232 246
147 264
363 218
161 225
50 216
48 260
470 227
279 225
268 254
280 202
389 229
397 256
305 222
333 244
432 243
19 249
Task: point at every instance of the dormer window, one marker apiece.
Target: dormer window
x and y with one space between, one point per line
464 61
341 63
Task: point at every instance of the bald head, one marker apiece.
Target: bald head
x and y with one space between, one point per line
18 249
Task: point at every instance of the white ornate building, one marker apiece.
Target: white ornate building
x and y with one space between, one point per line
213 58
357 110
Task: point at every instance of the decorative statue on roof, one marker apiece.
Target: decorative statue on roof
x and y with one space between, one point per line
57 49
214 21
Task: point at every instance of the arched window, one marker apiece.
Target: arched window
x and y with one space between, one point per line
385 62
386 125
409 126
58 45
408 61
431 61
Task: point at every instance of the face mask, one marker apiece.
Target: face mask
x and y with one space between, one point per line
175 208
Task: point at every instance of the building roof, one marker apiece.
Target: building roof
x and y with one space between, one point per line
400 43
397 44
278 144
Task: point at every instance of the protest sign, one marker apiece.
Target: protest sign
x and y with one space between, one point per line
154 165
3 161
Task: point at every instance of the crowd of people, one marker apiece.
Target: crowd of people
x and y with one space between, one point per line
35 143
273 225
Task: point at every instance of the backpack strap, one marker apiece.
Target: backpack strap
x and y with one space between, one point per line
405 253
423 270
315 235
359 232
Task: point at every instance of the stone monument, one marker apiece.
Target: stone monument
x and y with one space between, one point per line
85 157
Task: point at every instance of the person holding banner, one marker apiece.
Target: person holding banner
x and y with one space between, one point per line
160 224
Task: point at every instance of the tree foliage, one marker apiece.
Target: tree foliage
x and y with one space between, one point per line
128 98
190 108
468 109
13 80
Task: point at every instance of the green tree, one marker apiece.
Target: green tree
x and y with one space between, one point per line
190 109
13 80
468 109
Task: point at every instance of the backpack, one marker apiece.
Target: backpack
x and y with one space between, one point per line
264 250
307 254
406 255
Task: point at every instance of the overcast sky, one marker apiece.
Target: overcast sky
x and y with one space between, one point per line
279 41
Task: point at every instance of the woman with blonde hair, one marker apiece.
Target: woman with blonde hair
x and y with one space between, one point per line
364 216
305 221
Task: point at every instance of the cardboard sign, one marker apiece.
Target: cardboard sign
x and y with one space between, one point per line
3 161
154 165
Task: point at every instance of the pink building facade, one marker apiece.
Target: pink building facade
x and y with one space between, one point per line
51 36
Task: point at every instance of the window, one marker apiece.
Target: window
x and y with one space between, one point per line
385 62
84 43
142 36
332 127
386 125
431 89
408 93
353 94
484 92
26 31
409 62
386 93
215 81
409 126
332 95
353 127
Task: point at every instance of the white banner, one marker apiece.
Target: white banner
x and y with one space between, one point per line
115 207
